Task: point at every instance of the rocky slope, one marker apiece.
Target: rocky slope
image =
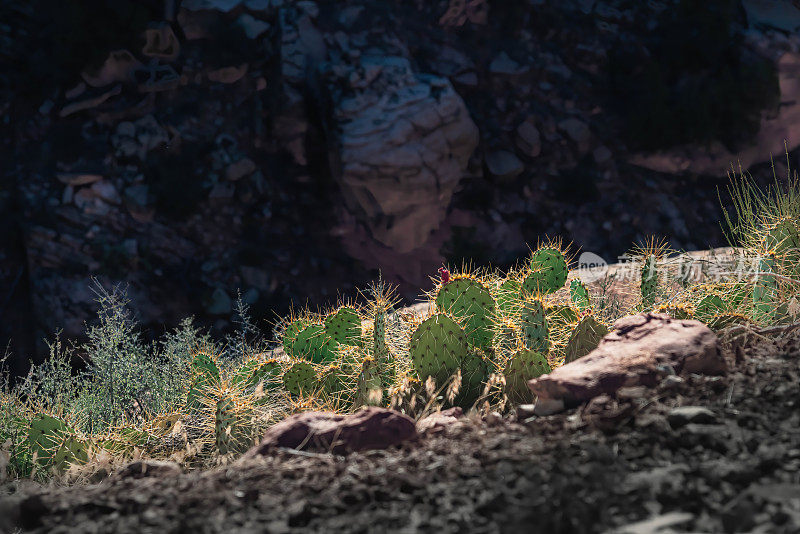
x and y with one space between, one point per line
291 149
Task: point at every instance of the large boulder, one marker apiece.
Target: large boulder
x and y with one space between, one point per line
639 350
367 429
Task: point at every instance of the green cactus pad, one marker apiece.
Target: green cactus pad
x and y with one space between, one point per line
765 293
370 385
708 307
54 443
474 371
344 326
300 378
205 374
506 339
676 311
290 335
533 326
548 272
314 345
507 294
255 371
224 424
437 348
649 281
467 299
523 366
579 294
725 320
584 339
562 315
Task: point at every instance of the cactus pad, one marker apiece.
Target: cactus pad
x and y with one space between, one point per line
205 374
437 348
562 314
300 378
649 281
290 335
54 443
708 307
344 326
255 371
533 326
468 299
507 294
548 272
584 339
314 344
523 366
676 311
579 294
224 424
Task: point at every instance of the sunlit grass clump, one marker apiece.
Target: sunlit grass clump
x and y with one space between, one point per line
476 341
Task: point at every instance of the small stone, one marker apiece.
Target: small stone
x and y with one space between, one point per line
439 420
136 195
106 191
528 139
577 130
240 169
525 411
161 42
228 74
545 407
252 26
671 382
75 179
503 64
493 418
684 415
633 392
504 165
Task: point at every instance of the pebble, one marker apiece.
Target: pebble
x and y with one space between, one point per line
684 415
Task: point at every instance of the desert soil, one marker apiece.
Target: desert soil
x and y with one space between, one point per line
626 464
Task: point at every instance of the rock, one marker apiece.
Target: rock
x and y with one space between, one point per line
161 42
528 139
440 420
252 26
654 525
545 406
503 165
368 429
240 169
156 78
525 411
89 103
76 179
118 67
578 131
684 415
630 356
106 191
136 195
228 74
503 64
631 393
148 468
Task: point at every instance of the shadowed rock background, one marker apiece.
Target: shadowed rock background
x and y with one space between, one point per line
292 149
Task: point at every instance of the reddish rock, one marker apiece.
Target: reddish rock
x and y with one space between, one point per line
440 420
370 428
636 352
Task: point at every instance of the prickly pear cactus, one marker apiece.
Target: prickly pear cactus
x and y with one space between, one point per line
380 350
507 293
54 443
370 385
579 295
344 326
708 307
725 320
524 365
506 338
533 326
584 339
205 375
225 421
474 372
649 282
765 292
561 315
676 311
314 344
548 272
255 371
300 378
782 239
437 348
290 335
470 301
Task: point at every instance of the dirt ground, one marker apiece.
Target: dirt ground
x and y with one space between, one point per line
616 465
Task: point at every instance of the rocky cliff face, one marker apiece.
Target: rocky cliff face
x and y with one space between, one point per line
291 149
